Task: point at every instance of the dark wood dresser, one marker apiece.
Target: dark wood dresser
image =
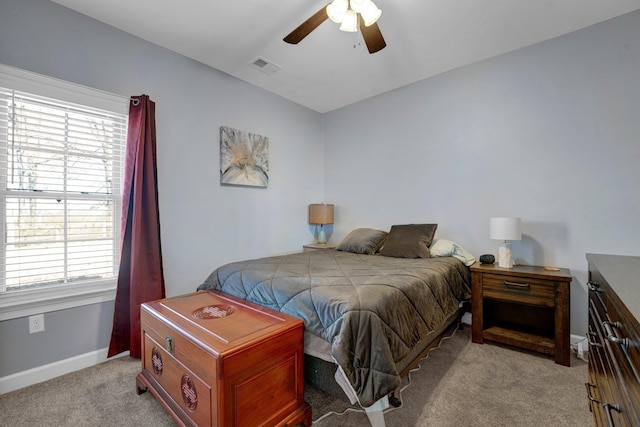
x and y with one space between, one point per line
613 388
215 360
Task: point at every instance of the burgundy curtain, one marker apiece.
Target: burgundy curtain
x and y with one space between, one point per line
140 278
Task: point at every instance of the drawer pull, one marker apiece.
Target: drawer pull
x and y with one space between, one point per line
594 335
514 285
593 286
592 399
607 410
611 336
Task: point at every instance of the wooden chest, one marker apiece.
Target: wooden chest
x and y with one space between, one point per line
215 360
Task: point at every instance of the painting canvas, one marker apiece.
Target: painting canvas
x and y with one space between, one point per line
244 158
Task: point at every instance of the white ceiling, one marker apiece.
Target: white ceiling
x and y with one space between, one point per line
330 68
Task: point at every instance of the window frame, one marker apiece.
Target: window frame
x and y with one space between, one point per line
17 304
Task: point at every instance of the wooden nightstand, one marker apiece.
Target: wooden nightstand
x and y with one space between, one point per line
318 247
524 306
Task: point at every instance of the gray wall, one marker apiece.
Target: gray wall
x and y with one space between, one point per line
549 133
68 333
203 224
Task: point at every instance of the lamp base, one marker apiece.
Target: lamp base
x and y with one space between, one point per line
504 255
322 237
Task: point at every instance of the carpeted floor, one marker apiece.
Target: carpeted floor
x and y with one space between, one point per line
459 384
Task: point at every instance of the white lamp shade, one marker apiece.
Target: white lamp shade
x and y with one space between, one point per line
349 22
371 14
503 228
359 5
337 9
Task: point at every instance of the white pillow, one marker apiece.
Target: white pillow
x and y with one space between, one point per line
443 247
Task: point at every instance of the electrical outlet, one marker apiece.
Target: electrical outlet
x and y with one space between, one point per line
36 323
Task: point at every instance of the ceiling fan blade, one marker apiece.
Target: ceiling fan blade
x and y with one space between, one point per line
372 36
307 26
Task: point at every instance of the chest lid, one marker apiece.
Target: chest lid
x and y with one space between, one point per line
219 322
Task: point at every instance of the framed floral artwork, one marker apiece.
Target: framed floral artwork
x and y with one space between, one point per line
244 158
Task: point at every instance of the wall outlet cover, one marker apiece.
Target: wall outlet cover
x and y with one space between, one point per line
36 323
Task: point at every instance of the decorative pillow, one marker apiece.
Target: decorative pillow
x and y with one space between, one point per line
443 247
409 241
363 241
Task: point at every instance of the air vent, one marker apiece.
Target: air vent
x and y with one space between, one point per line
266 66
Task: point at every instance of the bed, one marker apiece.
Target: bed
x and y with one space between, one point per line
370 308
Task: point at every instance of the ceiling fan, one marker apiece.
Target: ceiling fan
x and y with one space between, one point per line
352 15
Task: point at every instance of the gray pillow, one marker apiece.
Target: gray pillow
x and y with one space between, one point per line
409 241
363 241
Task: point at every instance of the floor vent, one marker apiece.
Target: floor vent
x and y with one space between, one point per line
266 66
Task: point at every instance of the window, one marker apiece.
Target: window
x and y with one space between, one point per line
60 193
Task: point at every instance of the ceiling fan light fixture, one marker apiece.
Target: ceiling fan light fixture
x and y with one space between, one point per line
337 9
349 22
358 6
371 14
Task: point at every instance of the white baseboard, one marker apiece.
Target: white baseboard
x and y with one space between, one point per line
575 339
46 372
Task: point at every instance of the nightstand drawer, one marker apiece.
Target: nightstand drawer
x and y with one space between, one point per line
522 290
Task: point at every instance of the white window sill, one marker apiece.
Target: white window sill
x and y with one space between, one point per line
35 301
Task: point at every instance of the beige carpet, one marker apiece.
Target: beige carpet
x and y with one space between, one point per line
460 384
466 384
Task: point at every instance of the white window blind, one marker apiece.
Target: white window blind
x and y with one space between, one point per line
60 188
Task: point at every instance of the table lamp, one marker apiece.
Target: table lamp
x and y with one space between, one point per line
502 228
321 214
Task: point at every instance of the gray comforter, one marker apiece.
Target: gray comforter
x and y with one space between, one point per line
372 309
